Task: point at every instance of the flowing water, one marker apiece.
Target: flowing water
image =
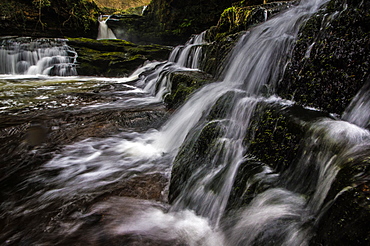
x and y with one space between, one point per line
86 171
37 56
104 32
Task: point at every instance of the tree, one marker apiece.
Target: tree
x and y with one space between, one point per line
40 4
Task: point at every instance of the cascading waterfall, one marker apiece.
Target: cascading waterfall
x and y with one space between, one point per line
104 32
37 56
358 111
89 154
257 61
189 55
280 214
182 58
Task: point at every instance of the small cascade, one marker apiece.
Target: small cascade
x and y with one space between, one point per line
37 56
104 32
144 8
189 55
358 112
182 58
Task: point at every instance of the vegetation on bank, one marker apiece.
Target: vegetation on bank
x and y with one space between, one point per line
48 18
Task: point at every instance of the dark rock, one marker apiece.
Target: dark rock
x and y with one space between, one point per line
346 218
194 153
231 25
330 61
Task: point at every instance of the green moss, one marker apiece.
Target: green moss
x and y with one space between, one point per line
183 84
113 57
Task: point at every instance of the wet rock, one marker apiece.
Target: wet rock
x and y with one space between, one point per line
183 84
241 16
330 61
346 218
194 153
274 142
169 22
233 22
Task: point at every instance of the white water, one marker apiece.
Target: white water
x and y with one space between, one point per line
197 216
37 56
104 32
189 55
358 112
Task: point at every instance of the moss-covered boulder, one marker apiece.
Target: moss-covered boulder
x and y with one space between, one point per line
273 143
330 61
114 57
242 16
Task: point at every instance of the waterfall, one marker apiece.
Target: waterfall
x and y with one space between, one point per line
182 58
358 111
104 32
203 145
144 8
257 61
189 55
37 56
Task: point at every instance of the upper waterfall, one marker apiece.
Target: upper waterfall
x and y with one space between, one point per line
104 32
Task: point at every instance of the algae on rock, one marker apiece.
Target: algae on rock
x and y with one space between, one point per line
113 57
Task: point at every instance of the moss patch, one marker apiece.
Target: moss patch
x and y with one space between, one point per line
113 57
183 84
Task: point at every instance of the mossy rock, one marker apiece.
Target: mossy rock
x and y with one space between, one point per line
276 132
233 23
242 16
183 84
114 57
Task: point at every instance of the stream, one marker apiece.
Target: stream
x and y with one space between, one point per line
89 160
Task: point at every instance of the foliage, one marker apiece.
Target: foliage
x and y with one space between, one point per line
40 4
119 4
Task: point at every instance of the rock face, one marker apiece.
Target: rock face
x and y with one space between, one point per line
233 21
114 57
53 18
183 84
330 62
